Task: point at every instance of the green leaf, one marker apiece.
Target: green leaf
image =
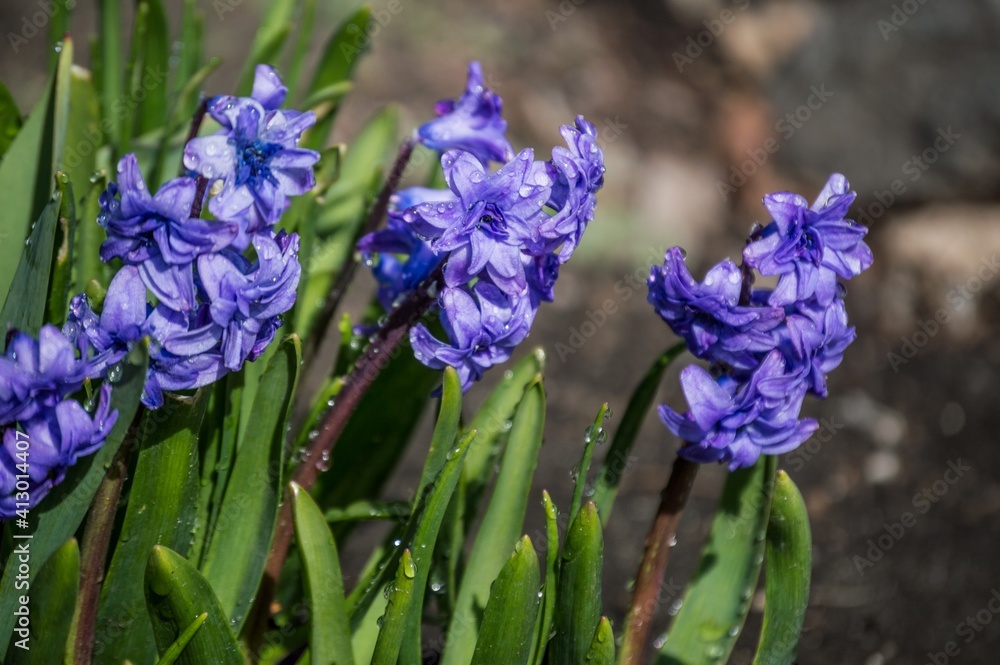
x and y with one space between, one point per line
176 594
420 536
89 236
329 631
192 27
617 459
789 565
10 119
306 22
446 430
337 64
267 43
174 651
393 622
594 435
602 647
108 66
355 473
370 510
501 526
27 172
136 67
83 137
718 597
155 58
25 304
50 608
160 511
493 421
509 619
56 518
250 505
62 261
578 609
543 625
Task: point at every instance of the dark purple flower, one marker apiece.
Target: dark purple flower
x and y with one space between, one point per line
734 422
580 169
483 325
245 300
397 276
57 436
157 233
494 219
256 156
473 123
808 248
708 315
36 375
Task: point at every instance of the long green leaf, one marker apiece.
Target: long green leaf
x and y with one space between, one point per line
50 609
329 631
340 58
177 594
63 256
392 625
617 459
502 524
108 66
83 137
160 511
446 429
250 505
25 304
175 650
56 518
718 598
156 55
543 625
509 619
788 560
267 43
594 435
578 610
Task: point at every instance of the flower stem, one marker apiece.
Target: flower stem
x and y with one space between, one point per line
347 271
659 542
94 549
373 360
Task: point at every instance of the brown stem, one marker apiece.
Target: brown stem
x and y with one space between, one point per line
347 271
94 549
316 456
659 542
196 119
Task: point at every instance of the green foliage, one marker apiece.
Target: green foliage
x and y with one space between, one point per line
52 598
578 609
788 559
509 620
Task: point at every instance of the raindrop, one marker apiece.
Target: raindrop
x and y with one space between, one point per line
675 606
115 373
437 587
324 461
508 375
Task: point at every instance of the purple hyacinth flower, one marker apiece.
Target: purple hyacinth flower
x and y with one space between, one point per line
735 422
396 276
814 339
157 233
495 217
38 374
809 247
580 169
256 156
58 436
246 300
483 327
473 123
708 315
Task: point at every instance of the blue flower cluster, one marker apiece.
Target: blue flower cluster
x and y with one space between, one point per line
37 381
215 308
768 347
500 236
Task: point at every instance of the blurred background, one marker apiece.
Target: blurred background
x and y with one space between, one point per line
703 107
